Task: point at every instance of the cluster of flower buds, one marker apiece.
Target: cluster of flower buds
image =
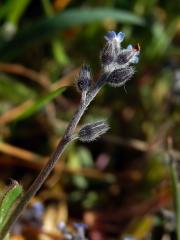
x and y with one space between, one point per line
118 61
32 216
117 70
92 131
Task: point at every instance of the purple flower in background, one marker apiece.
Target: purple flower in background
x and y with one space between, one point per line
37 210
80 227
61 226
128 238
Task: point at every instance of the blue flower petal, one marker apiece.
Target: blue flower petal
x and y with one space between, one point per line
135 59
128 238
130 47
38 209
110 35
121 36
80 225
61 226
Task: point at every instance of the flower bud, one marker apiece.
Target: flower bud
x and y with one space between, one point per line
107 55
84 79
91 131
119 76
124 56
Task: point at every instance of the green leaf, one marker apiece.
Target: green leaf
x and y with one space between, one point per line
57 48
8 201
85 157
75 162
58 52
47 7
48 27
17 9
40 103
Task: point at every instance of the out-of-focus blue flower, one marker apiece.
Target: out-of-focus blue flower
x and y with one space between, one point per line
80 227
128 238
32 216
34 212
37 209
78 235
63 228
118 37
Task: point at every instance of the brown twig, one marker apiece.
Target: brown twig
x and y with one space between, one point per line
39 161
13 113
140 145
20 153
20 70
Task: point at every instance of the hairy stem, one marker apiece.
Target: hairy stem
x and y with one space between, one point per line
44 173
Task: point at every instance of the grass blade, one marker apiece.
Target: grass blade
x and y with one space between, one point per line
40 103
49 27
8 201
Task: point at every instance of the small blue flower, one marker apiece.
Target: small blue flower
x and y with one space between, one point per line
130 47
121 36
111 36
135 57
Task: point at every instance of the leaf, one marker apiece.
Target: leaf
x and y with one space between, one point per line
59 52
8 201
17 9
75 162
48 27
85 157
57 48
40 103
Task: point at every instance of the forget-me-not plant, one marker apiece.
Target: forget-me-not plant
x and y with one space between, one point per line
117 68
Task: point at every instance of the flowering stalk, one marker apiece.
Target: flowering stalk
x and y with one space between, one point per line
115 72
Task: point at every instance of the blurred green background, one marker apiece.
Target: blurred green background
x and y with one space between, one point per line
120 184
